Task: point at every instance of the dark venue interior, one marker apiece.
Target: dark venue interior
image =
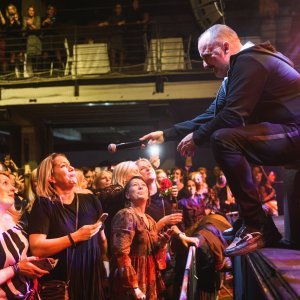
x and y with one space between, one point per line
78 76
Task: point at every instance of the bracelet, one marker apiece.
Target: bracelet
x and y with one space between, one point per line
71 240
16 269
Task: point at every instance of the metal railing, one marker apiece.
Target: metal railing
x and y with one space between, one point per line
132 49
189 282
96 50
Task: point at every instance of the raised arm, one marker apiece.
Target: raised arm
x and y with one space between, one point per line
41 246
180 130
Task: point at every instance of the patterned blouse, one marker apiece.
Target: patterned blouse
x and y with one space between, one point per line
132 262
13 248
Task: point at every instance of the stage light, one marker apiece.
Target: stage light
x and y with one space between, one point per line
154 150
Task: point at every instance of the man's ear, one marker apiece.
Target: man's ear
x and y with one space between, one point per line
226 47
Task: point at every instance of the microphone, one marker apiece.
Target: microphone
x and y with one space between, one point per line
122 146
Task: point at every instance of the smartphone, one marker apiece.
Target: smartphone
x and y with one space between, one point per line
103 217
45 263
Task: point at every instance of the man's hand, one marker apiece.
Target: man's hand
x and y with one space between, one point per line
155 137
187 147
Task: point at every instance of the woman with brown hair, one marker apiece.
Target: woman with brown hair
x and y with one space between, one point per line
135 245
268 194
66 226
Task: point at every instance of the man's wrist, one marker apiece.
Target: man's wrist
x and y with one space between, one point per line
170 134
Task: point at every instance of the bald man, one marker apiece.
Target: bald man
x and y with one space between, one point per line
255 118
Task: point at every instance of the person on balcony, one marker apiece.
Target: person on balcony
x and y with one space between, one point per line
52 42
137 20
116 41
14 41
32 26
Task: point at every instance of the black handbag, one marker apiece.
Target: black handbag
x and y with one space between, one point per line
59 289
54 290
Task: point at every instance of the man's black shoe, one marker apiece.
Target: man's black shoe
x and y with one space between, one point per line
229 234
248 239
245 241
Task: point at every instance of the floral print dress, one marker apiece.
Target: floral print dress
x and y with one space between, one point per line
132 263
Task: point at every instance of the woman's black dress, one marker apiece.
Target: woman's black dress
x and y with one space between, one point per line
56 220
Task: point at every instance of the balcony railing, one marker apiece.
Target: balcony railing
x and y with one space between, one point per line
76 51
108 51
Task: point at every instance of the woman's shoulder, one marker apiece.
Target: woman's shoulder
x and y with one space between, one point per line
42 201
125 218
42 205
127 211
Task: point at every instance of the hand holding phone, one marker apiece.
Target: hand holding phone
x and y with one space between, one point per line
103 217
45 263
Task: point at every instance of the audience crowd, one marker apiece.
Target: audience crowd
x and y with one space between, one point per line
115 231
44 38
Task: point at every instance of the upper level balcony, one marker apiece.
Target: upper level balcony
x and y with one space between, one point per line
156 59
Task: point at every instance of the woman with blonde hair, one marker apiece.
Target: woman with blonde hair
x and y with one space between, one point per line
16 268
66 226
201 186
111 198
103 180
123 172
160 207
